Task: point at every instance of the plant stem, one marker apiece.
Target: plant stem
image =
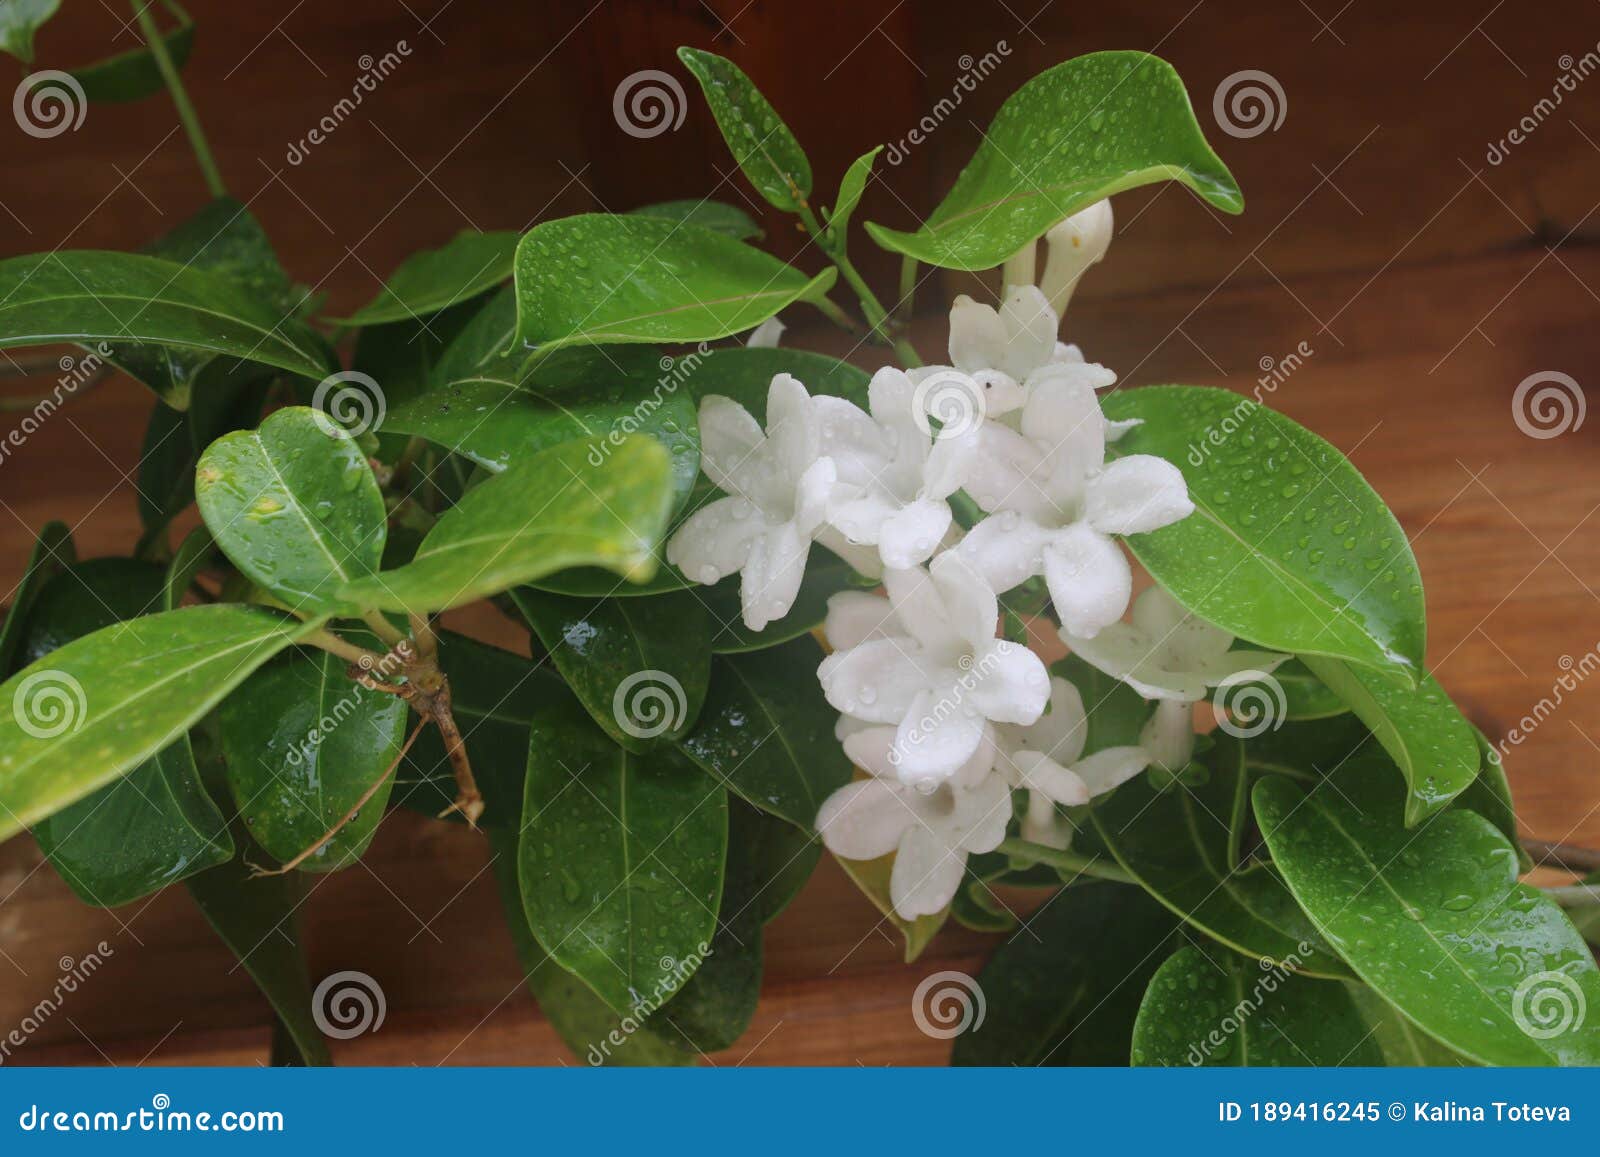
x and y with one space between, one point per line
180 97
1579 861
836 315
1097 866
348 651
908 289
383 628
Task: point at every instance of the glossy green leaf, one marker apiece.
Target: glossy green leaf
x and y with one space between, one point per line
640 667
851 187
194 553
52 551
1307 748
621 858
1288 547
872 878
1305 696
729 220
404 357
433 279
767 732
101 705
19 20
304 743
295 506
1428 738
826 576
1065 989
90 296
599 278
744 374
1402 1043
1207 1007
133 75
1074 134
1433 917
560 508
1175 841
1490 796
592 1031
84 597
759 140
780 855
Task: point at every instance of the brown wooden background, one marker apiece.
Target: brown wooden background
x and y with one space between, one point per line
1427 281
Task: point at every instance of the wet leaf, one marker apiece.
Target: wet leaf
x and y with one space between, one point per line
434 279
760 142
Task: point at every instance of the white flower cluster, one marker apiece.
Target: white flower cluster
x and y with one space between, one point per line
947 719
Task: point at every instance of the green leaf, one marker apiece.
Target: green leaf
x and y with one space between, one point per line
592 1031
851 187
744 374
1401 1042
640 667
1305 696
766 731
101 705
759 140
1220 1010
1431 742
1433 917
599 278
133 75
304 743
295 506
1307 749
89 296
780 855
1175 841
404 357
191 557
729 220
433 279
52 551
1490 796
826 576
1065 989
560 508
19 20
872 878
1115 711
1071 136
1288 546
621 857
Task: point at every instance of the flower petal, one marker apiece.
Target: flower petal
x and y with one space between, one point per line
1137 494
813 491
1038 772
1075 244
1111 768
1168 736
925 875
772 575
936 737
878 680
970 605
981 815
1007 548
920 608
793 426
948 463
864 820
862 559
910 535
977 336
860 519
731 443
1008 472
872 750
1030 326
717 539
1089 579
856 616
766 335
1009 683
1064 416
848 435
1127 653
1060 732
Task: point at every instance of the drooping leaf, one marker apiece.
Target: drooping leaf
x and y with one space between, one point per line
715 215
598 278
1433 917
1288 546
872 878
295 506
1065 989
759 140
1401 1042
640 667
52 551
19 20
851 187
1175 840
1429 739
766 731
101 705
621 857
1207 1007
133 75
592 1031
435 279
193 315
1074 134
555 510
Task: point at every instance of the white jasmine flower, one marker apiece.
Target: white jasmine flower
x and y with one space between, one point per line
778 486
1075 244
1000 349
1169 655
930 832
902 472
766 335
925 661
1055 502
